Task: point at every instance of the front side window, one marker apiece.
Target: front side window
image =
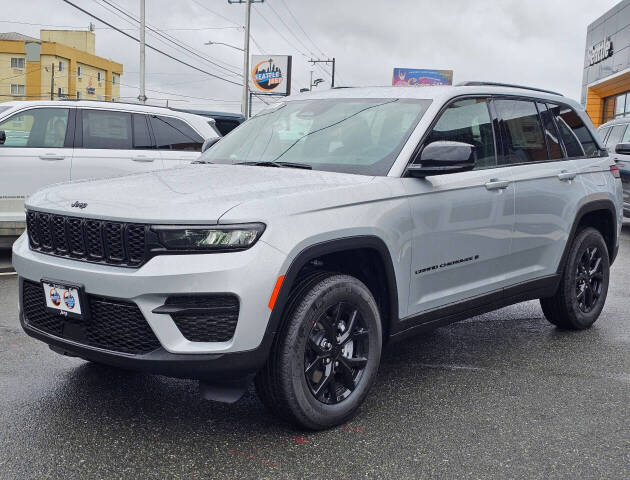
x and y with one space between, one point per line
577 139
36 128
103 129
352 135
173 134
522 132
17 62
467 121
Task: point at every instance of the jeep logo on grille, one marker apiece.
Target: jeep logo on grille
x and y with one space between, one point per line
78 204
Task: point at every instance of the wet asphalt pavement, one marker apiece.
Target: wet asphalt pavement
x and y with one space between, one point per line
503 395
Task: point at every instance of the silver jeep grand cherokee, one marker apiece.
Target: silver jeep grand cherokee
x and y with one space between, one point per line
322 229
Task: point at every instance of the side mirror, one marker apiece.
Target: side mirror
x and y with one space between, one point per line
208 143
3 137
442 157
621 148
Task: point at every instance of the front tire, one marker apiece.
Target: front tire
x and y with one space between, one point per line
584 285
326 357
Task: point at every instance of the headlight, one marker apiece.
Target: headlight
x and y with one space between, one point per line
220 237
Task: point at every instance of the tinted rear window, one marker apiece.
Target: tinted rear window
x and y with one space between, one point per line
104 129
578 140
522 132
173 134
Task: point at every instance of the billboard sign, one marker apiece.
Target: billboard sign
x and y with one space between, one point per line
270 75
418 76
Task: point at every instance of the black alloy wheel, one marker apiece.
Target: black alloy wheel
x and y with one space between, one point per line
336 353
589 279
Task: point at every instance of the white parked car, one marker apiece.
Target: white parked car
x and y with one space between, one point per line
47 142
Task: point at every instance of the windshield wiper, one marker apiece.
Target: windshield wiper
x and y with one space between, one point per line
277 164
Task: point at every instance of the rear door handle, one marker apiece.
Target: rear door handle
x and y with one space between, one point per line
497 184
142 158
565 175
52 156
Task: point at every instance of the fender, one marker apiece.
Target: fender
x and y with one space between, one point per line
591 206
333 246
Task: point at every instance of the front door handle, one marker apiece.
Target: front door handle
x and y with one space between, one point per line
52 156
565 175
142 158
497 184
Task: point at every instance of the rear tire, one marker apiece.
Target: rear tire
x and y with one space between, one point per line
584 284
326 356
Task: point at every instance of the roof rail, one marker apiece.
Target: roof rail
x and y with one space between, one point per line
496 84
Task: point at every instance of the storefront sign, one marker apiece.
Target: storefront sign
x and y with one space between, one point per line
600 51
271 74
416 76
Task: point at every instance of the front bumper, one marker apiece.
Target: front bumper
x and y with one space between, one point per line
250 275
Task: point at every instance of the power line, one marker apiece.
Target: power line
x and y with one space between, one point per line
303 31
216 13
152 47
172 39
289 29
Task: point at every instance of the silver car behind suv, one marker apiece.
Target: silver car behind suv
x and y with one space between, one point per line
322 229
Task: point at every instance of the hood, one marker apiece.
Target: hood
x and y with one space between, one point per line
190 194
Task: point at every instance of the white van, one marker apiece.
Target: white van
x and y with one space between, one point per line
47 142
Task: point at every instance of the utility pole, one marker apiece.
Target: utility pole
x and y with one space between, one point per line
314 61
248 11
142 97
52 83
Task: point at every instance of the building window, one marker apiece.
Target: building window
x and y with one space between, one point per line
616 106
79 72
17 62
114 79
99 77
61 67
61 92
18 90
79 96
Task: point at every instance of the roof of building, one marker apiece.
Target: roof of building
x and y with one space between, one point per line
17 37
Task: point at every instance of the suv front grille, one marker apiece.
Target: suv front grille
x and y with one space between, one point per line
90 240
112 324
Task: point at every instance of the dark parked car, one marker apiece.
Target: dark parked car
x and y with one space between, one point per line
616 136
224 121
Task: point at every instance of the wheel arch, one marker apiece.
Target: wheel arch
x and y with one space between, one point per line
600 214
328 249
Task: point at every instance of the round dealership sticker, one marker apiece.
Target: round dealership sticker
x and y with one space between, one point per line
55 298
68 299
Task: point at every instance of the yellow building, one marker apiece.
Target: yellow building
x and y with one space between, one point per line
61 64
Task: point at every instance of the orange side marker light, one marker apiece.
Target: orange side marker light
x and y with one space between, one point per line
276 290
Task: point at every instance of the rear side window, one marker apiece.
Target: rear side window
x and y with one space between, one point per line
467 121
141 135
577 139
616 134
107 130
551 134
602 132
173 134
226 126
36 128
521 131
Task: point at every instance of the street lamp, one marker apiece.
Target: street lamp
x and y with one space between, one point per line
210 42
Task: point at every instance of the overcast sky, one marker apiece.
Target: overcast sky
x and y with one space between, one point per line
533 42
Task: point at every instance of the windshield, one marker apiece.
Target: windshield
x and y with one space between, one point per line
361 136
